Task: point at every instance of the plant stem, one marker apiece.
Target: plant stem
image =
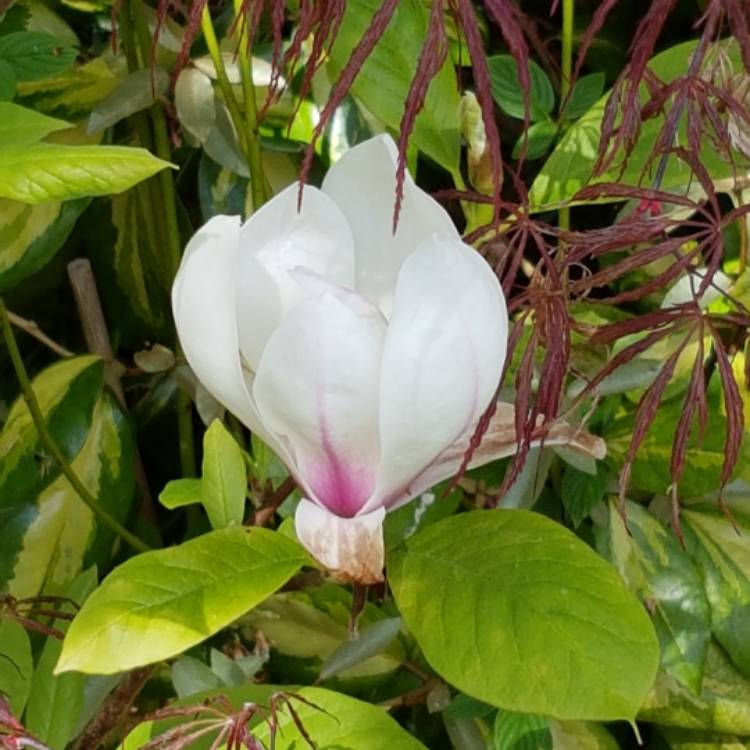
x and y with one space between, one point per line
171 227
566 67
49 442
212 43
254 152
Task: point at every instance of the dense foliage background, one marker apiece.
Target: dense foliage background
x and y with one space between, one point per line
596 153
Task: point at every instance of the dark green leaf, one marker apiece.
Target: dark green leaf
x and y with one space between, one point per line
586 92
521 732
16 665
540 137
582 492
7 81
507 91
34 55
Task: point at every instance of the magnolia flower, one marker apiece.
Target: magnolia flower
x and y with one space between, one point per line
364 358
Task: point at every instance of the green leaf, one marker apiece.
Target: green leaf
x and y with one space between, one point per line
191 675
7 81
43 171
540 137
34 55
521 732
338 721
370 641
224 477
527 618
722 706
56 701
507 91
31 235
161 603
16 665
20 126
722 555
181 492
383 82
313 625
332 720
587 91
581 735
582 492
659 571
680 739
570 166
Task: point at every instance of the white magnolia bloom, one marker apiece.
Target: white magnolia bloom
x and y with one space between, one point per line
363 358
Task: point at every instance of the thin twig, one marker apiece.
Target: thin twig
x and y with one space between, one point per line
30 327
266 511
50 444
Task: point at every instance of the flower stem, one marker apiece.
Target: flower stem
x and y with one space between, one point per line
49 443
254 153
566 68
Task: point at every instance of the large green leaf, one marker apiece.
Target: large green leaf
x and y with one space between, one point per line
31 235
332 720
383 81
658 570
16 665
722 554
570 166
160 603
515 610
48 535
43 171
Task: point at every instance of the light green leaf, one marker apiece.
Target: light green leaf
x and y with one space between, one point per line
20 126
722 554
161 603
465 733
224 479
181 492
581 735
56 701
43 171
382 83
31 235
34 55
507 91
657 569
681 739
570 166
16 665
522 732
527 617
332 720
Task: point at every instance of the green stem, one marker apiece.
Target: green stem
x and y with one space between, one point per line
171 228
254 152
566 69
212 43
49 443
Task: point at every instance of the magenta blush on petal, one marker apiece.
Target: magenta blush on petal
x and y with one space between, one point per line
341 485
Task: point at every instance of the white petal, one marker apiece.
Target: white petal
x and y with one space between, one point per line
317 388
351 548
203 308
442 359
363 184
499 441
273 242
